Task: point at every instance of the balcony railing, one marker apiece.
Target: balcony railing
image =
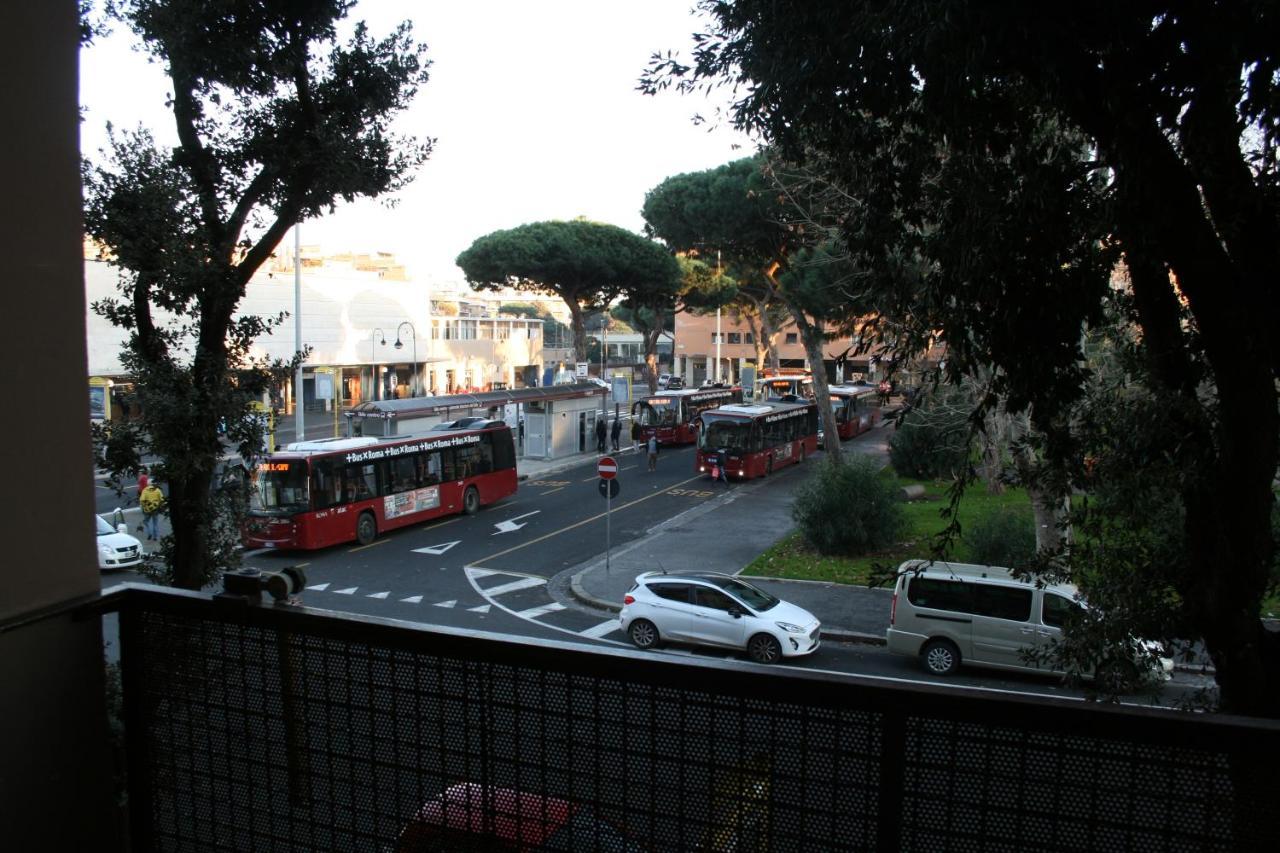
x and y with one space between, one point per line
259 727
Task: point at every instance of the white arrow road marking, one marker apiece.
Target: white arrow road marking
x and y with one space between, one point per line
483 608
378 594
413 599
523 583
480 573
449 603
510 524
351 590
320 587
534 612
436 549
600 630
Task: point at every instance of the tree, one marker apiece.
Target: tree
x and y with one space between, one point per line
276 121
554 333
587 264
1176 106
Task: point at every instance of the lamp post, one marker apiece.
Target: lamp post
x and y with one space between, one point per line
400 345
377 336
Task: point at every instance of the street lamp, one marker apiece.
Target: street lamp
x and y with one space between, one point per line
377 336
400 345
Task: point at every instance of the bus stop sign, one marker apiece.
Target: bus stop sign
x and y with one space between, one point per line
607 468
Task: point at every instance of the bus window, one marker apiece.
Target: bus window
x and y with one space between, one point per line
280 487
326 485
732 434
403 474
361 483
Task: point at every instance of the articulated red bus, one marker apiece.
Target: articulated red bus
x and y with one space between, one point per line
674 415
753 440
856 408
319 493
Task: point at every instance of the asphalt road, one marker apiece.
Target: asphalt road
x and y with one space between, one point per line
492 571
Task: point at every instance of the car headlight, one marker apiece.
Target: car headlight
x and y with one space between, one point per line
789 628
106 550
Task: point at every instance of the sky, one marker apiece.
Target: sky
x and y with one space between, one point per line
533 107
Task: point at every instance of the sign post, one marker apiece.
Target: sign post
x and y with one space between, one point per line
607 468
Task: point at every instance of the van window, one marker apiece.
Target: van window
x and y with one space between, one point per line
940 594
1055 609
1002 602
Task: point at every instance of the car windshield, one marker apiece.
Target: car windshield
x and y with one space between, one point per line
104 529
756 599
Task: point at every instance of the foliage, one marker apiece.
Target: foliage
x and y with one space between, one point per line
587 264
1006 538
554 333
997 159
933 440
276 121
847 509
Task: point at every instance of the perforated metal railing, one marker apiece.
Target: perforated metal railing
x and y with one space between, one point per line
269 728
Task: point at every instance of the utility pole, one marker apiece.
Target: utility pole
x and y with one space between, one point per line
297 332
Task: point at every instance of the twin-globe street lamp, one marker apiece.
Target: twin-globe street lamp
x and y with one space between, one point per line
400 345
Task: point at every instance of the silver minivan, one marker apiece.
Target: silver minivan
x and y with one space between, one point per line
952 613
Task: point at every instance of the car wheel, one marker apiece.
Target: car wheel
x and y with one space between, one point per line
366 528
471 501
764 648
941 657
643 633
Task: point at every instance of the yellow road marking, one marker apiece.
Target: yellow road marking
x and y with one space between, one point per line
552 492
478 563
372 544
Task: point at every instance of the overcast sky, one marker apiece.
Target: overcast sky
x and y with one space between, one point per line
533 106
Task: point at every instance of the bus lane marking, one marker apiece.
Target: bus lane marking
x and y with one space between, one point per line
575 525
552 492
372 544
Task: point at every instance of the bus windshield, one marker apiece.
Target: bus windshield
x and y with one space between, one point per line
657 411
732 434
280 488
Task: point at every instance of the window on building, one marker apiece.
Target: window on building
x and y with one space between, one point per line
715 337
748 338
735 338
791 337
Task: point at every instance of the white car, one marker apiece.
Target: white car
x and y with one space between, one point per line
706 608
116 549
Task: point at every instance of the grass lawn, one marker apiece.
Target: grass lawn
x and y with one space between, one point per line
792 558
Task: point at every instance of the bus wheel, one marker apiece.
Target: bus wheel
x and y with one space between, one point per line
366 528
471 501
768 466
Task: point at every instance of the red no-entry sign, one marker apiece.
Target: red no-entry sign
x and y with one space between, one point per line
607 468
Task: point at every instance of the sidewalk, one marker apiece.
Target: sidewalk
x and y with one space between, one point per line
724 534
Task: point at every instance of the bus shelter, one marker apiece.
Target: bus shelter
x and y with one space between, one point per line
549 422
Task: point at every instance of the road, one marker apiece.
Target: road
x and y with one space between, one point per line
492 572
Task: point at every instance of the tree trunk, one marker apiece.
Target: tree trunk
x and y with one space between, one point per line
579 324
811 335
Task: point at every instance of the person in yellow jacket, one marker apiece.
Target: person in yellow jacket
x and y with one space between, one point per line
152 501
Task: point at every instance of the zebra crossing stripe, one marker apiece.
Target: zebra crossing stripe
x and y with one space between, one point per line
523 583
600 630
534 612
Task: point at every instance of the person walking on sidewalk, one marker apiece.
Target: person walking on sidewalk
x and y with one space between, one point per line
653 452
152 501
615 433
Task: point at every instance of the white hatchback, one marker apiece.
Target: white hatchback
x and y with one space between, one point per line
116 549
712 609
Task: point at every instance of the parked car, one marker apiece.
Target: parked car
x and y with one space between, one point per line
949 614
663 379
470 816
706 608
116 548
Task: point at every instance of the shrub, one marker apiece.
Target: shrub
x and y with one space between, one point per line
931 442
848 509
1006 537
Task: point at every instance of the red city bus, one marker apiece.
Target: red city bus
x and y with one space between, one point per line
314 494
856 408
674 415
752 440
776 387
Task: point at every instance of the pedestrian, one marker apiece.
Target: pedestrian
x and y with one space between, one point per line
142 479
152 501
653 452
883 389
600 434
615 433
